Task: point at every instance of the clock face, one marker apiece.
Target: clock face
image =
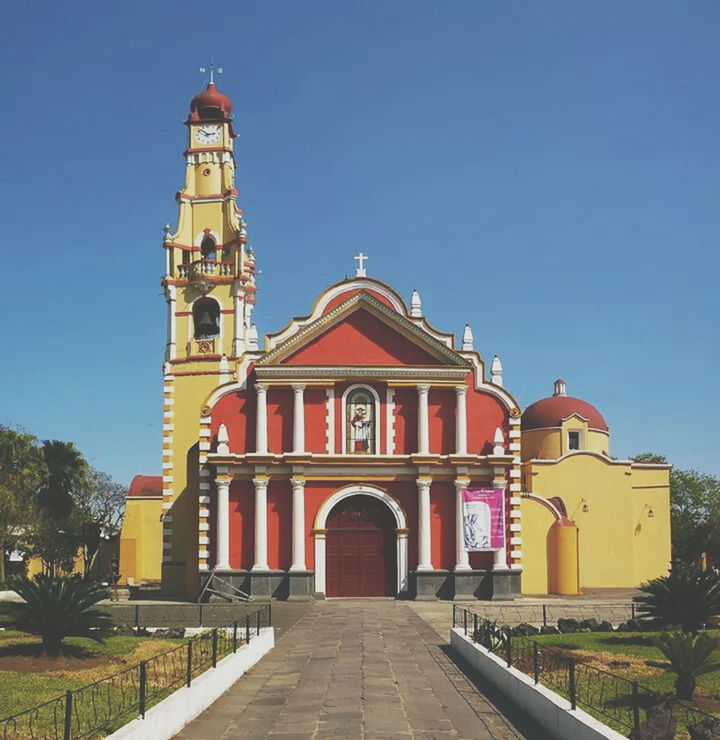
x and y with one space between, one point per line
207 134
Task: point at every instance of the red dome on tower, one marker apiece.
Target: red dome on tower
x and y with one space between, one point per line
210 104
549 412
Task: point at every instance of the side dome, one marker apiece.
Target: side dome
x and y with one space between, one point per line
550 412
210 105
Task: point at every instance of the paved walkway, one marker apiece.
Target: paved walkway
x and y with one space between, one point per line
360 669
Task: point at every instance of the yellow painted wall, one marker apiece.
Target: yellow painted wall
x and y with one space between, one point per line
549 444
141 540
612 555
537 520
651 534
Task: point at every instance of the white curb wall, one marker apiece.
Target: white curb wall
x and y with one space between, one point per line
550 710
168 717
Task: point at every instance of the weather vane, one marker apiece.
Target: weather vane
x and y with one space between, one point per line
212 69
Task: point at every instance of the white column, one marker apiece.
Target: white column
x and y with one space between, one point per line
222 525
261 560
424 551
298 418
239 320
423 424
298 524
261 444
500 558
461 419
171 352
462 559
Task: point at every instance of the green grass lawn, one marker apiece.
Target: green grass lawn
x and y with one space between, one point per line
627 655
28 679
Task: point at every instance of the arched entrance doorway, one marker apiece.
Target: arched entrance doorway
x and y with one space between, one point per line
361 548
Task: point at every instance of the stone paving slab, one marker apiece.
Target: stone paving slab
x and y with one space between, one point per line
361 669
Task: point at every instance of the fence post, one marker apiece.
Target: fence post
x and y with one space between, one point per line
200 614
247 629
235 636
632 610
143 687
454 608
465 621
137 616
214 647
189 663
269 606
571 686
536 662
544 615
475 628
508 648
67 733
636 709
258 622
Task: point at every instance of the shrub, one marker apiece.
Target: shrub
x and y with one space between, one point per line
689 656
60 607
687 598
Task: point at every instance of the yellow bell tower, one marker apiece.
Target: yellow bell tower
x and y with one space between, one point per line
209 287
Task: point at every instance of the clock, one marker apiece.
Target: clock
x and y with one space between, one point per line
207 134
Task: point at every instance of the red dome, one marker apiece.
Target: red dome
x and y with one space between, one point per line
210 104
549 412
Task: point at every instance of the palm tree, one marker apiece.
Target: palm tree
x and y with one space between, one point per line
689 656
67 473
687 598
56 608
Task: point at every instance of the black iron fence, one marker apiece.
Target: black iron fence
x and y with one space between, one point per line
621 703
102 707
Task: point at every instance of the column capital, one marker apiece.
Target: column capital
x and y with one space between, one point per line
223 482
298 387
261 482
424 482
261 387
461 483
298 482
423 388
461 390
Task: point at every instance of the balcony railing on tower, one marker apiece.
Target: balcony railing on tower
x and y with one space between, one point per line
201 269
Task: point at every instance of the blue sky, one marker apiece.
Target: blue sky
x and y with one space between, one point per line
547 172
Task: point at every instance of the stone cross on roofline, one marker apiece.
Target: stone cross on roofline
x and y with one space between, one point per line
360 270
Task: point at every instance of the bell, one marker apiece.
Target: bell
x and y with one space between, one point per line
206 321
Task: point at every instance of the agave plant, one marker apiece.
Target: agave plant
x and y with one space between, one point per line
687 598
689 656
56 608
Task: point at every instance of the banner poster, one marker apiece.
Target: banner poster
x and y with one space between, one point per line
484 519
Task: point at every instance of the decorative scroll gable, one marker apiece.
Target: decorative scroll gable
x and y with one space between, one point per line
363 332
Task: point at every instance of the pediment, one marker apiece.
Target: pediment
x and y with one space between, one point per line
363 332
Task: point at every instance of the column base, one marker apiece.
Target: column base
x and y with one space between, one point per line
430 585
301 585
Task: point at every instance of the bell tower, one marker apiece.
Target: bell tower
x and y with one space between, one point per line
209 269
209 286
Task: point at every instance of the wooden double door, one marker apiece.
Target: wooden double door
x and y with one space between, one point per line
360 549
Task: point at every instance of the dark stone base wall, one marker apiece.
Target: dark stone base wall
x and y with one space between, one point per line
280 585
483 585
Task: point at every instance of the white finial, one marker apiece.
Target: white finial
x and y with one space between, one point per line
415 305
559 387
253 337
496 371
498 442
360 270
212 69
222 438
224 369
467 342
166 232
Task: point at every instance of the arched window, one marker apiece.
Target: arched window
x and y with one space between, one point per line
206 318
360 422
207 247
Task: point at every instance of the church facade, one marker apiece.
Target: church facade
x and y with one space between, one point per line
334 459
